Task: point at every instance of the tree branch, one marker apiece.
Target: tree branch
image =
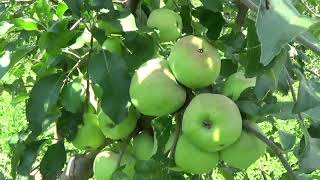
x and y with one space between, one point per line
275 149
300 39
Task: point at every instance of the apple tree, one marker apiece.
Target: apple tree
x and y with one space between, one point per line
161 89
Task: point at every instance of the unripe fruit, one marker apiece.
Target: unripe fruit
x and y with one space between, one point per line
168 22
143 146
244 152
212 122
236 84
89 135
121 130
192 159
194 62
154 90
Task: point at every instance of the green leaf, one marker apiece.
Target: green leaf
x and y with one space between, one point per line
313 114
228 67
288 23
248 107
140 48
10 58
214 24
26 24
41 107
279 110
53 161
111 73
215 6
67 124
161 127
57 37
269 80
287 140
149 169
308 95
4 28
74 6
61 9
309 159
43 11
103 4
27 156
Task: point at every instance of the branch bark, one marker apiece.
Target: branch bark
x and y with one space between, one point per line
300 39
275 149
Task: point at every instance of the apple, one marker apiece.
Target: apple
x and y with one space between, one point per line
192 159
194 62
168 22
244 152
154 90
236 84
73 96
105 163
113 45
143 147
89 135
212 122
121 130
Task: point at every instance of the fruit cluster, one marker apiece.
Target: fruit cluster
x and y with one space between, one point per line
211 123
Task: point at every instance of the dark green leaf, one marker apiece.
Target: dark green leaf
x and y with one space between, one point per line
111 73
41 107
100 4
308 95
309 158
74 6
248 107
43 11
269 80
141 47
286 19
214 24
53 161
287 140
228 67
28 156
67 124
161 128
215 6
185 14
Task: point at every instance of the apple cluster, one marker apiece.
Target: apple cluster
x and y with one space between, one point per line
211 123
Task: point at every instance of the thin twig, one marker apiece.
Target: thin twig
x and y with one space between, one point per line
275 149
76 24
299 39
312 72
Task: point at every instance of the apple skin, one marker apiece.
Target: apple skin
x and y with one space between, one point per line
194 62
212 122
143 147
236 84
154 90
244 152
168 22
121 130
105 164
192 159
89 135
113 45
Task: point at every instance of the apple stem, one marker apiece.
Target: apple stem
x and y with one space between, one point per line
275 149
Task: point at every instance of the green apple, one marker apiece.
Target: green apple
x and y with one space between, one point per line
192 159
106 163
168 22
121 130
194 62
244 152
113 45
89 135
154 90
236 84
212 122
73 96
143 146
